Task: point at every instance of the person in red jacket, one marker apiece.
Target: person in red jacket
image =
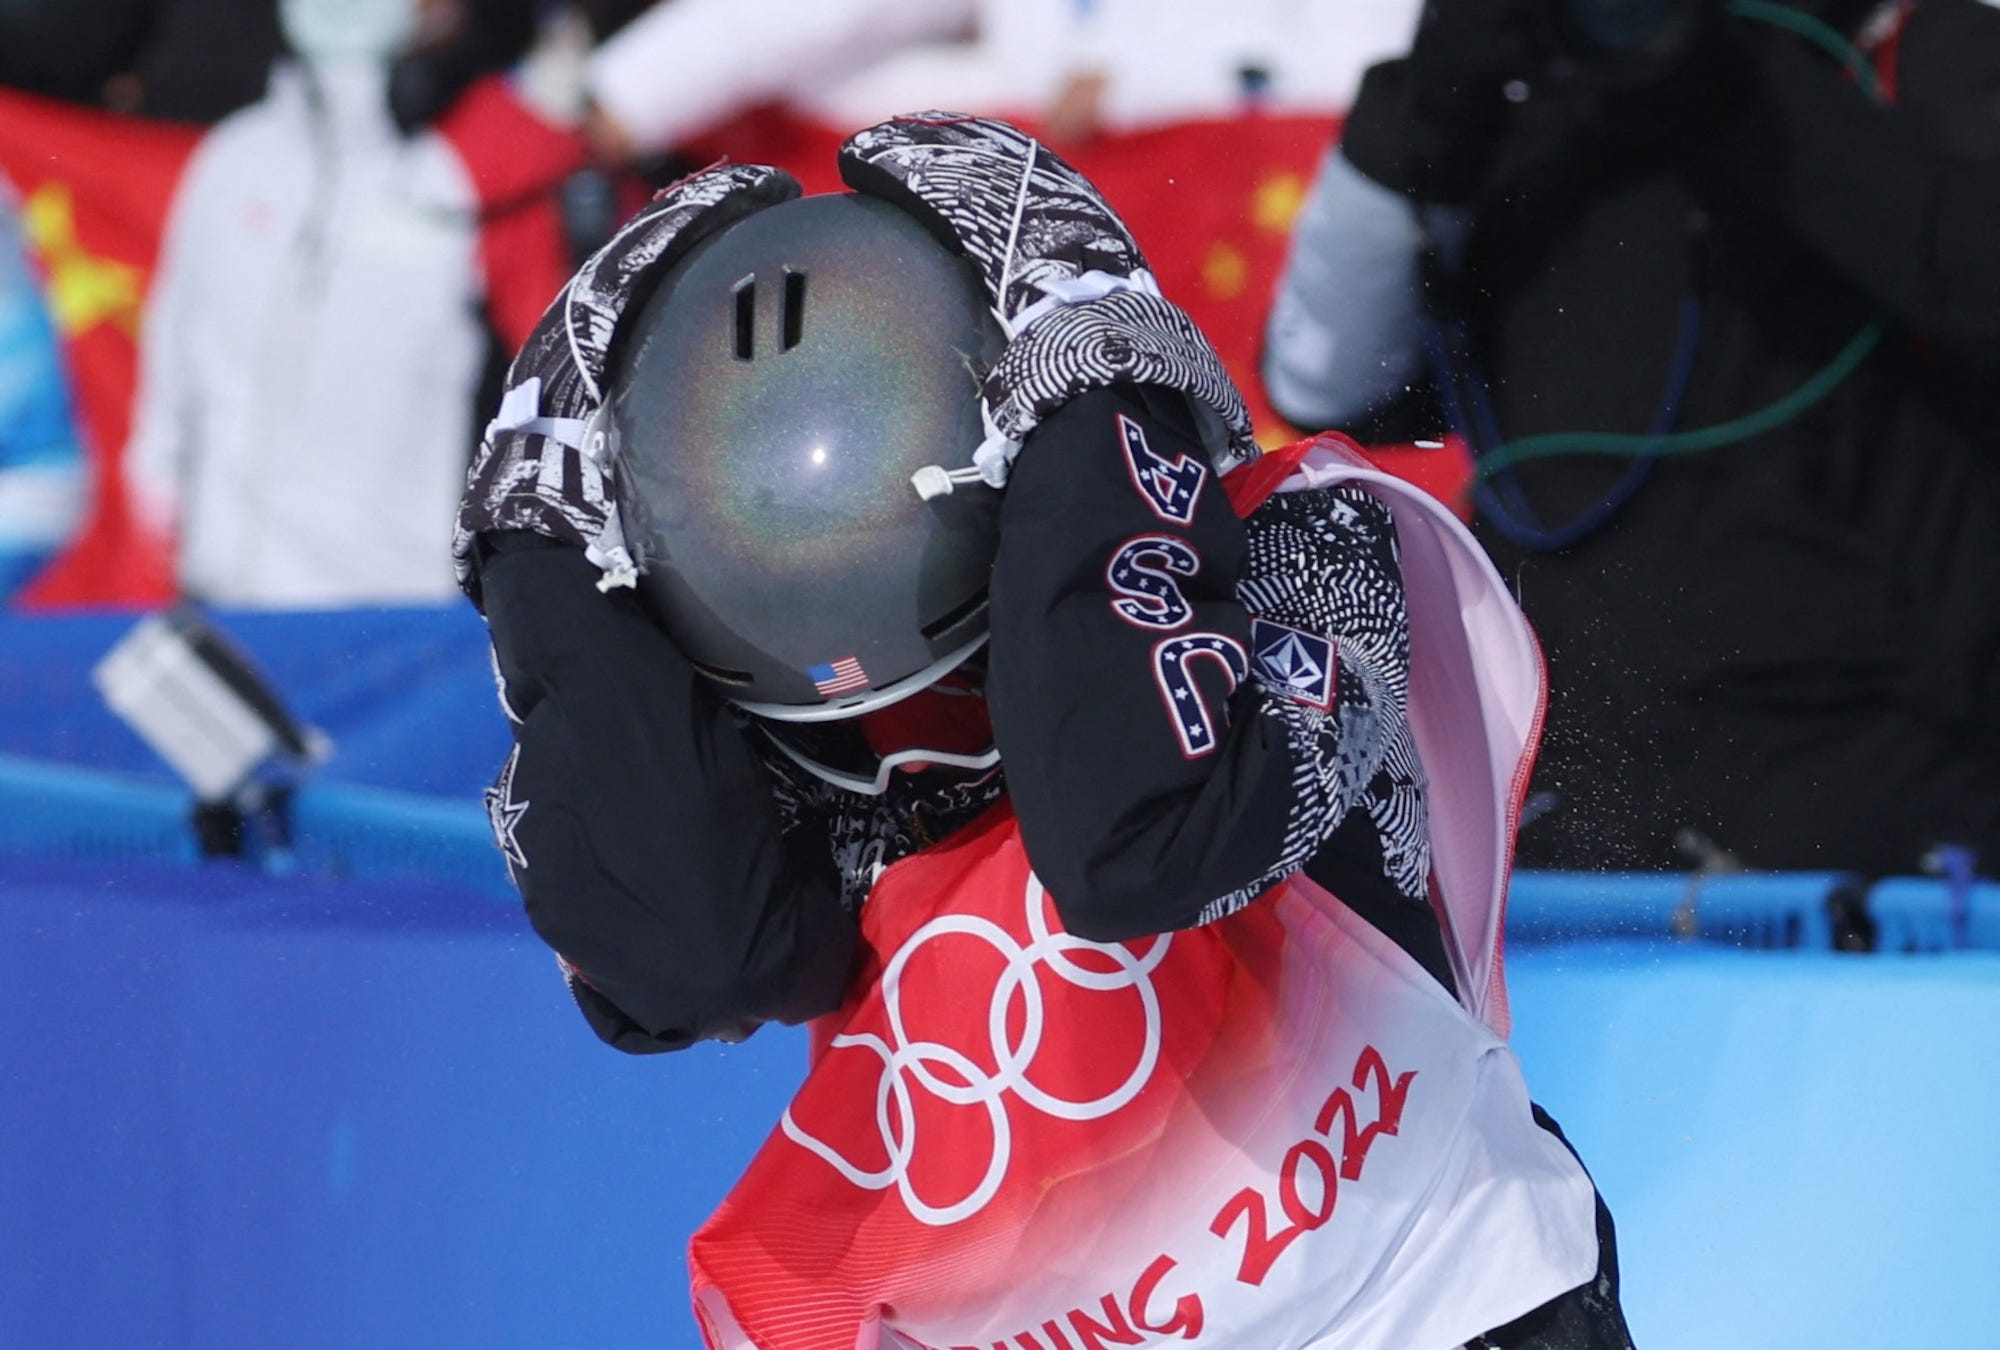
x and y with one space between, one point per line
853 562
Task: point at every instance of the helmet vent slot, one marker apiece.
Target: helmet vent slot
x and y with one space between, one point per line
953 617
745 292
792 316
742 679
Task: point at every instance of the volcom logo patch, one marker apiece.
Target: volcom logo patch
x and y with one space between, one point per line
1294 663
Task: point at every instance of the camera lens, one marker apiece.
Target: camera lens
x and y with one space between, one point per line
1621 42
1620 25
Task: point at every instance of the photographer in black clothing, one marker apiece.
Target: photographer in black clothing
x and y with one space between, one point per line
1757 276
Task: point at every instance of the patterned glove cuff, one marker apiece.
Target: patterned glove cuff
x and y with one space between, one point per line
995 194
1129 336
537 470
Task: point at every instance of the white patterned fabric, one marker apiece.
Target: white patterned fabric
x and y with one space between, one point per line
867 834
532 471
1066 278
1325 562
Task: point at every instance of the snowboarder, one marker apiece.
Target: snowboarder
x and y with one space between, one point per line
901 629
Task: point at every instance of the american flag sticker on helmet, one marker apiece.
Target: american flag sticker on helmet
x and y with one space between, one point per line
843 676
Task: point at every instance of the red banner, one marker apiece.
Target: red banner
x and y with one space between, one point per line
1212 203
94 190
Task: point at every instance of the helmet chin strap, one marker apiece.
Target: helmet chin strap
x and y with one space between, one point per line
885 768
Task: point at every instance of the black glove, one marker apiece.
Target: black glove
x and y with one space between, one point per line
556 383
1426 124
1065 276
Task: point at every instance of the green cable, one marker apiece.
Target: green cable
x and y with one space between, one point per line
1630 446
1816 31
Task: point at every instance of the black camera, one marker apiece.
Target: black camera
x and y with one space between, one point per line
1622 43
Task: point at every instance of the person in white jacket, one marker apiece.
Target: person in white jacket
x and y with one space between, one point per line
314 341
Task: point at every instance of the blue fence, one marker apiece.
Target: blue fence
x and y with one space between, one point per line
354 831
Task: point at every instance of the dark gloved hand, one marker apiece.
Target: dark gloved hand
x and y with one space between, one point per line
1065 276
1425 125
556 383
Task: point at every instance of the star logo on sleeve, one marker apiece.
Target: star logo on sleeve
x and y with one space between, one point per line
504 813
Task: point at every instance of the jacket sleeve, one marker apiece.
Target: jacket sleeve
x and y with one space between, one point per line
1159 783
1345 336
724 57
638 825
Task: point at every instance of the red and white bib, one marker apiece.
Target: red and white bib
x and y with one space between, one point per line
1272 1131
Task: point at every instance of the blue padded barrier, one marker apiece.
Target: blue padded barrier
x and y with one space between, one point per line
343 830
1928 914
57 811
1551 906
407 695
1982 928
339 830
1764 909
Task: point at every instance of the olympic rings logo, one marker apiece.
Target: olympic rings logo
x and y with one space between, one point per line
908 1064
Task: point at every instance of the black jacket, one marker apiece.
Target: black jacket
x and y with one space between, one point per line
1788 646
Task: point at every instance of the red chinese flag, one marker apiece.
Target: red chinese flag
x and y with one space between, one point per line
94 190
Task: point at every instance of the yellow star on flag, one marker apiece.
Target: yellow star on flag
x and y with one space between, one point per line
1275 202
1224 271
83 291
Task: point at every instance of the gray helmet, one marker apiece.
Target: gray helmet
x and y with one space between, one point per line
771 404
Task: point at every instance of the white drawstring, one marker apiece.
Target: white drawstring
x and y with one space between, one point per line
1093 285
993 460
617 566
934 480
